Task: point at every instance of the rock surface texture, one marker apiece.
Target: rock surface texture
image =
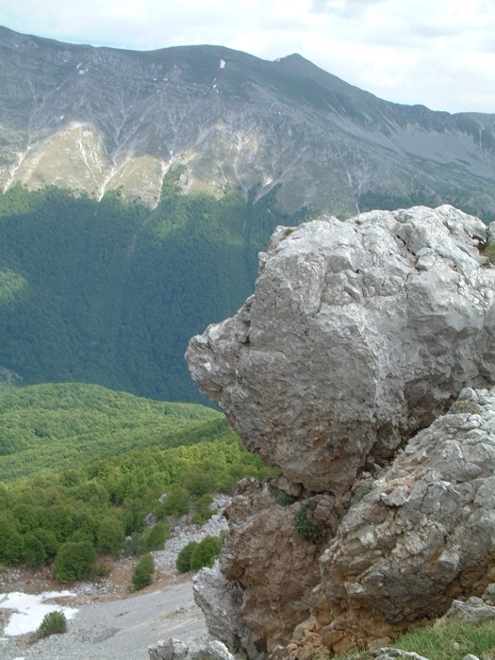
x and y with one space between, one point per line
359 335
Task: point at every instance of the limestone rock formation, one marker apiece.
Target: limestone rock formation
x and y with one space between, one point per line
220 600
423 535
284 573
359 335
175 649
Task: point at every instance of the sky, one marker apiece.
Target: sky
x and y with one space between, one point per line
439 53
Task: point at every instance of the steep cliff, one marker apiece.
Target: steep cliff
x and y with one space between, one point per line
359 336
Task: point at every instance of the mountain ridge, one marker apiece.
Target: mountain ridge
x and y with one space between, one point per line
95 118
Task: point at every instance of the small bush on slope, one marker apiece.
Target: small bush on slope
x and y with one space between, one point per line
143 573
183 561
75 561
54 623
205 553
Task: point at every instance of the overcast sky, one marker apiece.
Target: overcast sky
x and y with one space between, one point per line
440 53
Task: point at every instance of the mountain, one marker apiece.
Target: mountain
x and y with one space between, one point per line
98 118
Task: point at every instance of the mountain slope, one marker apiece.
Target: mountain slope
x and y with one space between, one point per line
57 426
110 292
96 118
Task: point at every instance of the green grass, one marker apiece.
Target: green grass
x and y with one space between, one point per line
58 426
452 642
444 642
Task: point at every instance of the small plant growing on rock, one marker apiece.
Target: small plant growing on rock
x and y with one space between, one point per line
285 499
465 406
202 510
362 491
489 251
54 623
306 525
143 573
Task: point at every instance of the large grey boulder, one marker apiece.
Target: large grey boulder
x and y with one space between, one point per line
359 333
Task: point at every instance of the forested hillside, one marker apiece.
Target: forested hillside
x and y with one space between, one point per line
81 466
56 426
110 292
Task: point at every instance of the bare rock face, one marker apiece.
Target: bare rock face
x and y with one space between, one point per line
359 335
220 600
276 568
423 535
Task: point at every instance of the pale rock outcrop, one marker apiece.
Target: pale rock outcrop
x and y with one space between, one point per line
359 335
423 535
473 611
220 600
175 649
388 653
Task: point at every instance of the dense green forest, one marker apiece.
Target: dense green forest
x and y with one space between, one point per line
110 292
56 426
92 491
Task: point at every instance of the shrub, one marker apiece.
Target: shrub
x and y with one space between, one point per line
81 535
202 511
285 499
306 525
198 482
54 623
143 573
175 504
489 252
110 535
75 561
465 406
362 491
102 569
154 537
49 541
205 553
132 545
13 549
26 516
183 562
34 551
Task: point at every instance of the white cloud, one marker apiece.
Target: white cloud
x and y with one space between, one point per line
414 51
